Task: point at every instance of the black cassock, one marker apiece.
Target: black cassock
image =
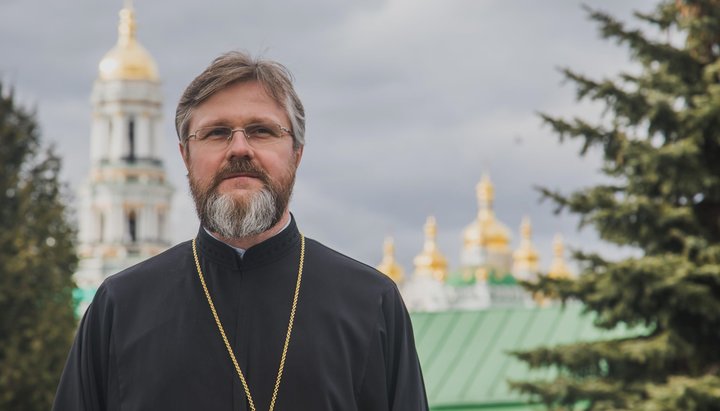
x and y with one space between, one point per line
149 341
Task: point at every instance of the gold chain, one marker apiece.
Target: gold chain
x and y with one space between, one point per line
224 336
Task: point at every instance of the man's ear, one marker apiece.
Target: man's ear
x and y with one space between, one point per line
298 155
185 154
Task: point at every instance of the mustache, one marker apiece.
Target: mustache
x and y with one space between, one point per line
240 166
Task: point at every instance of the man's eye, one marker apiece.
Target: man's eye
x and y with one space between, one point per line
260 131
214 133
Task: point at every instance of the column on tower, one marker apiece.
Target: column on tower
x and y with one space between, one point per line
116 222
93 224
157 146
143 136
99 229
150 225
162 212
99 138
118 142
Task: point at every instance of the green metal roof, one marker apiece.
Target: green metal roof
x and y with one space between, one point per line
464 353
460 278
465 277
501 279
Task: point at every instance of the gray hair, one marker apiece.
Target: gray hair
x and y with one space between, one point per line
235 67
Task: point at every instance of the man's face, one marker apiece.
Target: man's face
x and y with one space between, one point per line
240 190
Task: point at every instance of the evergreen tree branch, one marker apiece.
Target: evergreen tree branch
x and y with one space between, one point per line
679 61
592 394
659 138
37 259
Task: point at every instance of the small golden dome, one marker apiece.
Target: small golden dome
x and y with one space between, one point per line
486 231
526 257
558 268
128 60
430 261
389 266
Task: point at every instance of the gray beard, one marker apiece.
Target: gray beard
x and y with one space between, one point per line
224 216
245 216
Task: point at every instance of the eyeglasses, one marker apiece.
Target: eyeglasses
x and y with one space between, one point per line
257 135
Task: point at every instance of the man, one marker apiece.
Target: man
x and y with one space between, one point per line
250 314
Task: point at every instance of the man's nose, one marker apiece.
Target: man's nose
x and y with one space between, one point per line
238 145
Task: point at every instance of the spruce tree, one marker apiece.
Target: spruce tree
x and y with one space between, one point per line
37 259
659 138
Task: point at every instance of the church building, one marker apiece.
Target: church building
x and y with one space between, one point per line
125 201
489 270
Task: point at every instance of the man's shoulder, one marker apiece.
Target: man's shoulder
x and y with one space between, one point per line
160 267
345 268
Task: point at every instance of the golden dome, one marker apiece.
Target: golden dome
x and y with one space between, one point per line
430 261
128 60
526 257
558 268
389 266
486 231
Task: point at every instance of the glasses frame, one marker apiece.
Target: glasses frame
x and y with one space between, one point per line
229 138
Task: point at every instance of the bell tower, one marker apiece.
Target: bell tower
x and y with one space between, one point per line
125 201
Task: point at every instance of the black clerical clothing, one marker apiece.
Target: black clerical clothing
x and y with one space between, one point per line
149 341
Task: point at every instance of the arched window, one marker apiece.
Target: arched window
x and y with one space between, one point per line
132 226
131 139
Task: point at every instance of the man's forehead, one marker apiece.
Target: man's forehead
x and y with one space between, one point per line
248 101
251 90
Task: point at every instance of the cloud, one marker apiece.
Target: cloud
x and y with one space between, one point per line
408 102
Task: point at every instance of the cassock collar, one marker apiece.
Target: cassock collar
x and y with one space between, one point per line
260 254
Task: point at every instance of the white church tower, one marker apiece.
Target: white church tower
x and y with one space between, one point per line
125 202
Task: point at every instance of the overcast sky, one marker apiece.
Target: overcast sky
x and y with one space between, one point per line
408 102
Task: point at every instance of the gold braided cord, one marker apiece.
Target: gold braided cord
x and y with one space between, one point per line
290 323
287 336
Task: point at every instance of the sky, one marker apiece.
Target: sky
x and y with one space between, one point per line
407 103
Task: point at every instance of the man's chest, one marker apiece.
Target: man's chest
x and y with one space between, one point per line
181 361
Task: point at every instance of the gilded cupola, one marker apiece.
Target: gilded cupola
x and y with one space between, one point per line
389 265
431 261
128 60
526 258
558 268
486 231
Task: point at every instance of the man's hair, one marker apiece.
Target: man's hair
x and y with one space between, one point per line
236 67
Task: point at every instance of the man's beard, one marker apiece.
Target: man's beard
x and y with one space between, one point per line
233 217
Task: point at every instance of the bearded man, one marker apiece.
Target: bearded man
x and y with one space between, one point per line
250 314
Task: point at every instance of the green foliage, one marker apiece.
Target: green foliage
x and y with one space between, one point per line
37 259
659 138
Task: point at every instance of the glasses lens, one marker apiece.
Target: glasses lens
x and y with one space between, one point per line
263 134
213 134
